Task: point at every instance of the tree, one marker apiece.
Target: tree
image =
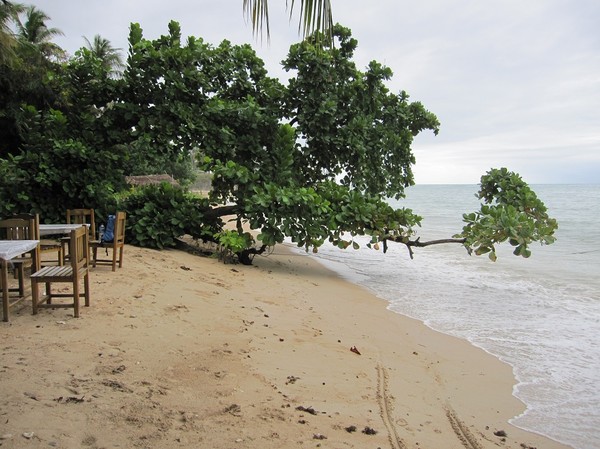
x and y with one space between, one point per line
109 56
34 33
28 76
315 16
54 151
346 146
9 16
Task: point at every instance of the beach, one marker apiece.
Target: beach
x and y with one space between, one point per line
181 350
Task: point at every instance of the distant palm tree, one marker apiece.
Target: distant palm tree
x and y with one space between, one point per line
9 15
35 33
110 56
315 15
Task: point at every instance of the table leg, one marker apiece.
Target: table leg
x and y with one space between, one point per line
36 262
4 275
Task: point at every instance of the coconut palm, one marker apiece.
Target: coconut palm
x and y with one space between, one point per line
35 33
314 16
9 15
110 56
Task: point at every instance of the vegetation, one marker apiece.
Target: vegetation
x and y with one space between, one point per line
313 160
315 16
109 56
159 214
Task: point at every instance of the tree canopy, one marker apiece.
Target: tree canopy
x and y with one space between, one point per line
313 160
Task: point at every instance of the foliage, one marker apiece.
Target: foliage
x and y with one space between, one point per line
56 172
313 161
35 34
355 128
324 174
511 211
27 73
158 214
10 186
315 16
49 136
102 49
233 242
9 17
311 216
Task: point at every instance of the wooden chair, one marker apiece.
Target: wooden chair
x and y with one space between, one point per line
46 245
18 229
117 244
73 272
80 216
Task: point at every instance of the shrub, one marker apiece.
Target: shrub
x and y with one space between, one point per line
159 214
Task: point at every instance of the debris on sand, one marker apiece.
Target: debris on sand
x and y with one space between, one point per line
310 410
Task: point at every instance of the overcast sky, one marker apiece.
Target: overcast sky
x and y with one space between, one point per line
514 83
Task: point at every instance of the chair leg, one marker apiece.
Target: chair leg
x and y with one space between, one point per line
49 293
86 286
20 270
121 257
76 299
4 283
35 295
114 260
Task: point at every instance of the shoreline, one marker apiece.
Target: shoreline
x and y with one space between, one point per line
178 349
530 414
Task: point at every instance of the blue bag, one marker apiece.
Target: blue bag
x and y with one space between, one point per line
109 232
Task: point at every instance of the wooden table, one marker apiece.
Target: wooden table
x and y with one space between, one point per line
59 228
9 249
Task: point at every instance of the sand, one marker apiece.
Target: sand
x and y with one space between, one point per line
179 350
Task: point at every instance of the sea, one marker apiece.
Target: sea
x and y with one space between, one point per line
541 315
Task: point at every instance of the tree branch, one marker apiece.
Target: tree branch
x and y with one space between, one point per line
247 256
418 243
221 211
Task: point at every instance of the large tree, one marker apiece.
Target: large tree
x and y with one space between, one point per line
344 149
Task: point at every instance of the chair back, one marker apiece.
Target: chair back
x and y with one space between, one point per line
78 249
120 229
36 218
18 229
83 216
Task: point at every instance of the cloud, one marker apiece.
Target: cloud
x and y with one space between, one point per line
512 82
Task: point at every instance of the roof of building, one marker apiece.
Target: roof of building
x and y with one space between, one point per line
145 180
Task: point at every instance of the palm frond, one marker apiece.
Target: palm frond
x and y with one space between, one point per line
258 13
315 16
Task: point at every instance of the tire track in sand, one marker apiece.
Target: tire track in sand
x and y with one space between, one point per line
460 429
385 409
